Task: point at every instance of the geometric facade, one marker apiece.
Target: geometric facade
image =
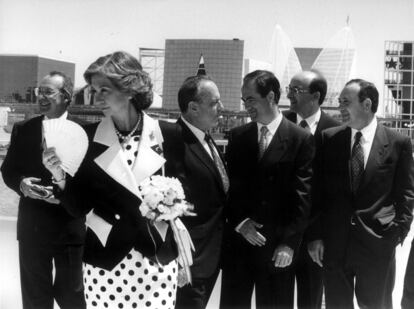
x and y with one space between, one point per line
223 61
20 74
399 84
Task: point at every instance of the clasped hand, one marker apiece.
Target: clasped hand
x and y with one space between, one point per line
29 188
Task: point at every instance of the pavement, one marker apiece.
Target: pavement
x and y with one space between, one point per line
10 297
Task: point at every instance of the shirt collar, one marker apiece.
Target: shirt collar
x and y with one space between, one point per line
368 132
272 126
196 131
63 116
312 119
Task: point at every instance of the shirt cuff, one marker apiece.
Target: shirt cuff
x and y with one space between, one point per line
238 227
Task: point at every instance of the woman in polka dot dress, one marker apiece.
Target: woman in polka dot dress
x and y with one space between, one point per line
127 263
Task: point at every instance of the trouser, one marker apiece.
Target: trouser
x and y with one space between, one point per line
39 288
370 276
196 295
309 280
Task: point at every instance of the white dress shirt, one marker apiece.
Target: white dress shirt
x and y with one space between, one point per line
312 120
368 134
271 129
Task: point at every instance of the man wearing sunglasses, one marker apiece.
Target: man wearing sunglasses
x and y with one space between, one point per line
306 92
47 235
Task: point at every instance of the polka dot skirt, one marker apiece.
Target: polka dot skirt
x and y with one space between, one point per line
136 282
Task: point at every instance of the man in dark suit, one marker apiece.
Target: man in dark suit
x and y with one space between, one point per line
366 196
270 170
195 160
47 234
306 92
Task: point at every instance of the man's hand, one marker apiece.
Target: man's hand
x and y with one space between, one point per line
249 232
316 250
52 200
282 256
28 187
52 162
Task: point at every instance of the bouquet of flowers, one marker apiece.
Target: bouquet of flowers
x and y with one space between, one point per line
163 199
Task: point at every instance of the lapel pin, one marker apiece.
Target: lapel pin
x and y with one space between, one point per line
152 137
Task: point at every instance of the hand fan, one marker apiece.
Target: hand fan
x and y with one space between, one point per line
70 141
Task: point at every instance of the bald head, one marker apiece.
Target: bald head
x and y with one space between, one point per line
308 91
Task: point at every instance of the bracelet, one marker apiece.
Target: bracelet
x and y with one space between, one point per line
54 180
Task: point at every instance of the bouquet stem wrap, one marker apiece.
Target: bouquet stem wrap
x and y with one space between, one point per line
185 245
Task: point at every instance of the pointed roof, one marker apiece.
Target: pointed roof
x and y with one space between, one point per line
201 68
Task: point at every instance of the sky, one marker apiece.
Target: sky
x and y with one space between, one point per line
83 30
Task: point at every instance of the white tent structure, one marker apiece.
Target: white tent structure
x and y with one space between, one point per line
282 57
337 62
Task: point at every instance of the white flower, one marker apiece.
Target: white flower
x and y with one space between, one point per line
144 209
153 198
163 199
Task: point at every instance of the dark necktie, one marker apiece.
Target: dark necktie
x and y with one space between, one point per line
357 162
304 124
263 141
218 162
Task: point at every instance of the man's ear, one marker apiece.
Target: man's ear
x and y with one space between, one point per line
367 104
192 107
316 96
270 97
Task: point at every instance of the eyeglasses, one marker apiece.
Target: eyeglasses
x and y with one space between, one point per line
295 90
48 92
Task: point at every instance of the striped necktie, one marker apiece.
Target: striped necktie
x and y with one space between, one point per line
357 162
218 162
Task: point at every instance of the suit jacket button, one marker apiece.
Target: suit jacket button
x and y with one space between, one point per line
117 216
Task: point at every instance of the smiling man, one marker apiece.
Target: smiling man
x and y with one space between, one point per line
270 170
366 184
47 235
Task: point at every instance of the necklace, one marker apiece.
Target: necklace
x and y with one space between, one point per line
125 138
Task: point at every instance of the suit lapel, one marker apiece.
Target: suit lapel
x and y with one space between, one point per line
376 156
113 160
148 160
198 150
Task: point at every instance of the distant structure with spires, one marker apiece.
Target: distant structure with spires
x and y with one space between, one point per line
222 60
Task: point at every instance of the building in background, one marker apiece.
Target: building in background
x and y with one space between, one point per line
152 61
399 85
20 74
223 61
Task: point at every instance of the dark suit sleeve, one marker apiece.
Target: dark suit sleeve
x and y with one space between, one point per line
314 231
238 204
12 174
403 191
301 201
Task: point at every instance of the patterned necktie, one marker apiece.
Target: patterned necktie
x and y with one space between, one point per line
218 162
263 141
357 162
304 124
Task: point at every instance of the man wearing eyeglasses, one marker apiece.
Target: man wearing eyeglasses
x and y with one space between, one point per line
306 92
270 171
47 235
